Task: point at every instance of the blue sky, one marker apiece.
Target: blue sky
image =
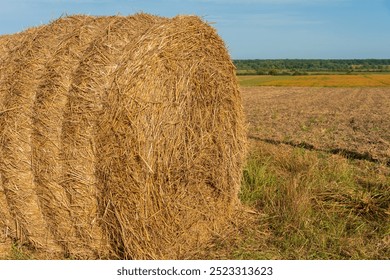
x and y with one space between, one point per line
251 28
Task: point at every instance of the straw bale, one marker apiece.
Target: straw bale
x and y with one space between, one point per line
7 228
121 137
21 81
63 199
167 142
9 155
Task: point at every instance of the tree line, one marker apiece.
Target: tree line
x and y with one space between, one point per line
306 66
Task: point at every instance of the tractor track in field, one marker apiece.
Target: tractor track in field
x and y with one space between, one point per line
336 151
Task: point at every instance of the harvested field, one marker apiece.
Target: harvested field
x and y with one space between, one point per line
120 137
309 205
317 177
351 121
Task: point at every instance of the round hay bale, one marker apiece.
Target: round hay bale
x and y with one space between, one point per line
63 201
7 227
22 80
121 137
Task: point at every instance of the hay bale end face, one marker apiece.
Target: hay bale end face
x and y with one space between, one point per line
120 137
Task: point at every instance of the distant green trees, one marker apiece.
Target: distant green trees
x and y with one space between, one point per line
304 66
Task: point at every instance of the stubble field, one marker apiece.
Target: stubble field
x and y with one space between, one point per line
351 121
317 177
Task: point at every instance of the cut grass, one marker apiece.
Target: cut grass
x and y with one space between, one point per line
356 80
312 205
